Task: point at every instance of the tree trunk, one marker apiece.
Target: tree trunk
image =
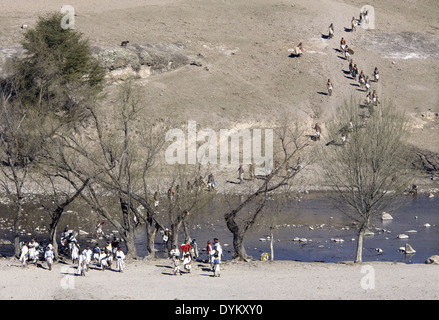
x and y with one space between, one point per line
238 238
128 231
16 227
238 245
130 244
151 232
187 236
52 232
175 227
359 254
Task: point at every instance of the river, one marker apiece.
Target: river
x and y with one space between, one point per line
312 219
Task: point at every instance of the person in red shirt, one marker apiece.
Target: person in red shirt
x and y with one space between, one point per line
185 248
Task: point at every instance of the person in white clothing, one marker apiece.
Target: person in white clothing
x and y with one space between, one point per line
96 253
104 260
175 252
120 256
74 251
187 263
48 256
81 264
218 249
33 251
216 266
87 256
24 254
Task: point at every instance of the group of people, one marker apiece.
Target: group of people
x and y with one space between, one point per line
364 81
214 253
103 257
200 183
30 253
188 252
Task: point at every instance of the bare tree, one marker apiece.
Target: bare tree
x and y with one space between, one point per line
291 143
117 160
18 150
183 201
368 167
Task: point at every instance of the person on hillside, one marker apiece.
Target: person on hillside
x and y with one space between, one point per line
355 72
375 98
368 98
353 24
331 31
329 86
351 66
318 131
361 79
347 53
367 83
299 50
376 74
342 44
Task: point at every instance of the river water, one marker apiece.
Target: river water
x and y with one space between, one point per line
312 218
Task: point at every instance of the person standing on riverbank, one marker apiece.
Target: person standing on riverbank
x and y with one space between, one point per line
24 255
210 252
81 264
216 266
87 256
74 251
194 250
218 248
48 256
33 251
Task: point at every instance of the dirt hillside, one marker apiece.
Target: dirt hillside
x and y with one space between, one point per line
245 75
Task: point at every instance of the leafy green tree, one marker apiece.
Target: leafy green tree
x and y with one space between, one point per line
58 72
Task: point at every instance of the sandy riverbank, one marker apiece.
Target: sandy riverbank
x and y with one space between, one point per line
256 280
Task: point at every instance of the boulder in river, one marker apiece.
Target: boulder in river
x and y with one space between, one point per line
409 249
433 260
386 216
